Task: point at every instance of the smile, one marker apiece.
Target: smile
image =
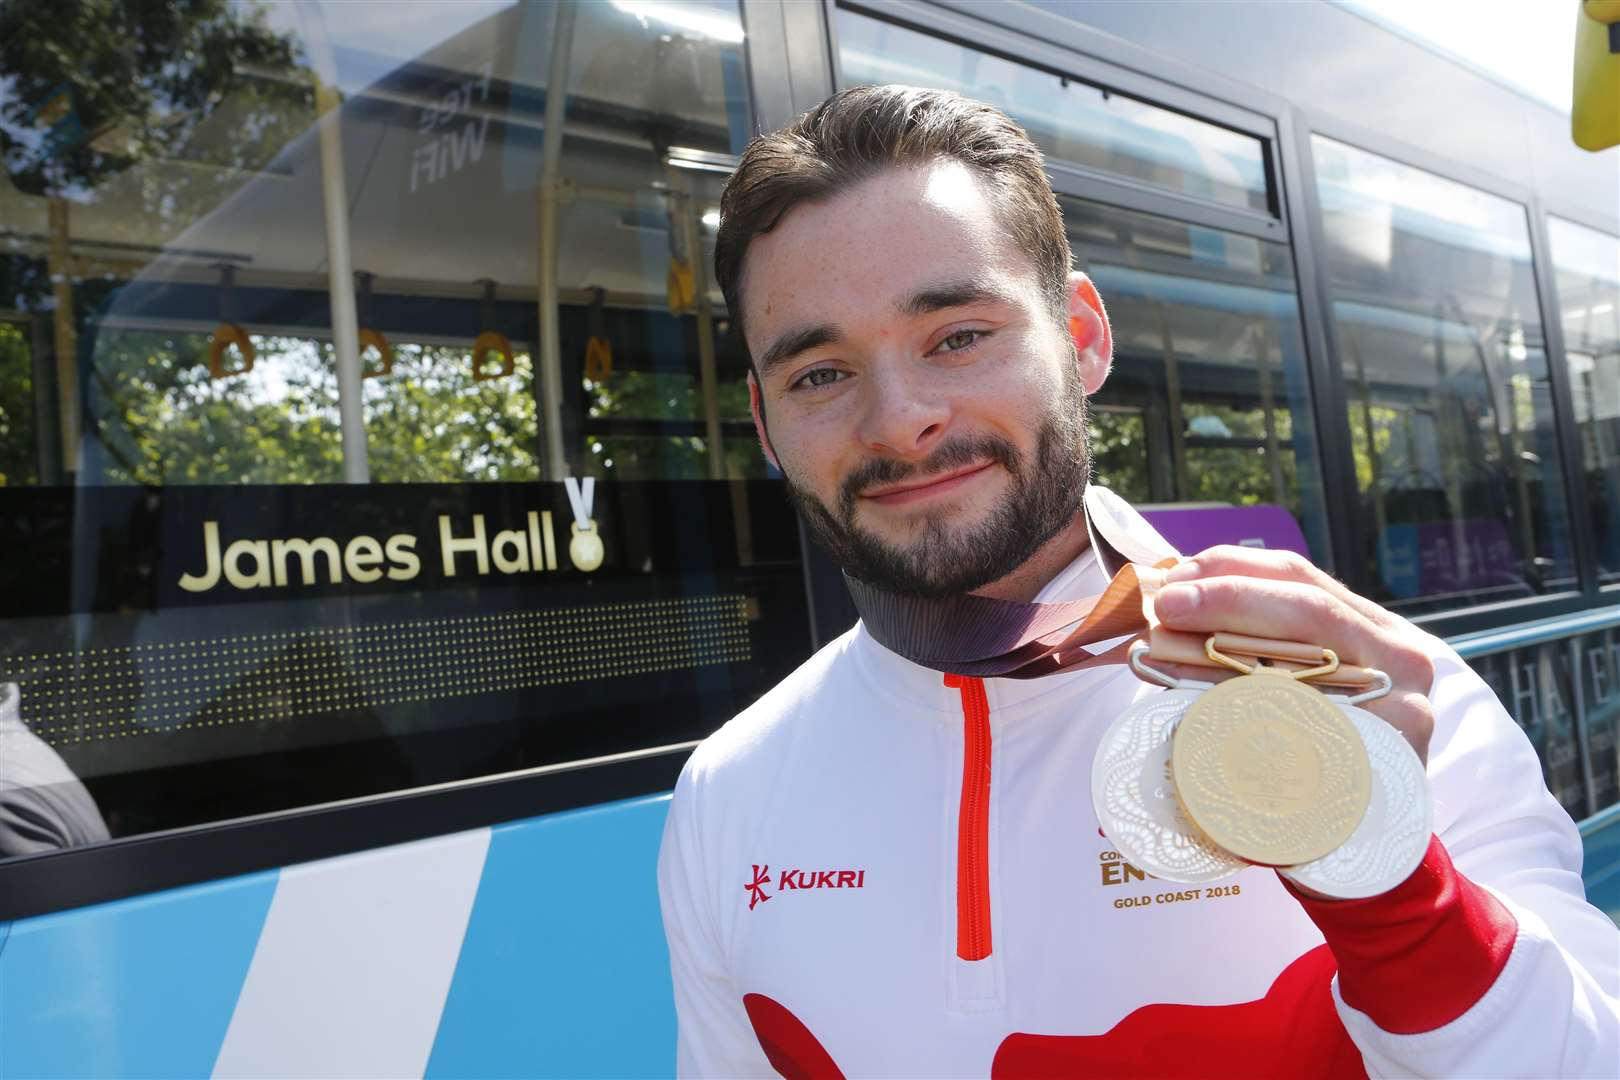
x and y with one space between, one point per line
944 484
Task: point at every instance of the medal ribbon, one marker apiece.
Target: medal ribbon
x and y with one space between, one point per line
581 499
982 637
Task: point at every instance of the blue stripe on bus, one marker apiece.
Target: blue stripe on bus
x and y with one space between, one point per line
135 988
564 971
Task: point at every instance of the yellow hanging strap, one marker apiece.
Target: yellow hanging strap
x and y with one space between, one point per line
228 332
598 359
1595 118
680 285
385 353
598 348
226 335
491 341
369 336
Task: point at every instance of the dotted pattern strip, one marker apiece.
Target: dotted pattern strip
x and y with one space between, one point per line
94 694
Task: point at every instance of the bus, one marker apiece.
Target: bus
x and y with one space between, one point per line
382 523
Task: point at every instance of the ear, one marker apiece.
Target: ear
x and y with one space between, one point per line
756 407
1088 325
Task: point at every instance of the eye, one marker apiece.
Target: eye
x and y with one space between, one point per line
818 377
960 340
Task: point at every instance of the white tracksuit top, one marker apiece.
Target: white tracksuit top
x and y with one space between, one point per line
838 900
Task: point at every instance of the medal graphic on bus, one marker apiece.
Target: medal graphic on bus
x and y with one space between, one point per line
585 549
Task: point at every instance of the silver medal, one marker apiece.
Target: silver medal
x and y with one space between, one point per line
1135 798
1393 836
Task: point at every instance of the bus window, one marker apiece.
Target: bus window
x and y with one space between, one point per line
1208 400
406 439
1445 370
1538 686
1587 263
1072 122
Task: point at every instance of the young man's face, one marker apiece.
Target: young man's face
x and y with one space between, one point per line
915 387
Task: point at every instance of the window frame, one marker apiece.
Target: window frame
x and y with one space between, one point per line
1547 281
1084 182
123 867
1480 616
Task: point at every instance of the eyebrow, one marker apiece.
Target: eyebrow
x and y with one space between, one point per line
952 294
798 340
924 301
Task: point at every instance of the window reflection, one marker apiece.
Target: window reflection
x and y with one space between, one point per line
181 230
1587 263
1446 376
1600 699
19 426
1207 401
1538 687
217 216
1072 122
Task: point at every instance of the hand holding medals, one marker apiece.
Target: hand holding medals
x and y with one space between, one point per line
1200 782
1197 783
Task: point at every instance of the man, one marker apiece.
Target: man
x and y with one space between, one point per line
880 870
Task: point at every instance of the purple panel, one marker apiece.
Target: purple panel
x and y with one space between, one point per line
1193 530
1468 553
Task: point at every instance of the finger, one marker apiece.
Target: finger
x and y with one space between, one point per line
1231 560
1289 611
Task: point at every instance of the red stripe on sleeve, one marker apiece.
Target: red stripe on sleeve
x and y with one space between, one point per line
1419 956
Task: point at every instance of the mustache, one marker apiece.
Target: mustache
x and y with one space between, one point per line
957 453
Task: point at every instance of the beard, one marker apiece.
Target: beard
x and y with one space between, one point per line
945 559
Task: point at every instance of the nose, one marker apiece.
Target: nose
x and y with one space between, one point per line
902 414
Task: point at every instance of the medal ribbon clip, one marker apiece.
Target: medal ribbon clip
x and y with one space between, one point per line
1245 655
1294 652
1328 665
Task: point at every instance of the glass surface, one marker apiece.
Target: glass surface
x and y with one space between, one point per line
1208 399
1600 701
1587 265
1537 686
19 429
1456 457
1072 122
199 618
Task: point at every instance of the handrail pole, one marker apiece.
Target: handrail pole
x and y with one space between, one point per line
556 460
339 265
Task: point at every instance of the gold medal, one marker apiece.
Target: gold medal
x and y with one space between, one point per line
585 549
1269 769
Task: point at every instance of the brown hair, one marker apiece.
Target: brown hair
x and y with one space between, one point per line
857 133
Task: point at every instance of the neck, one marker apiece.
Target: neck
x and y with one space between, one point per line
1049 560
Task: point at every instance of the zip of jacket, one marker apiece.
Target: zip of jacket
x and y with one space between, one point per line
973 823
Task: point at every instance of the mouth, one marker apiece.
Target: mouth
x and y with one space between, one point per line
915 491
